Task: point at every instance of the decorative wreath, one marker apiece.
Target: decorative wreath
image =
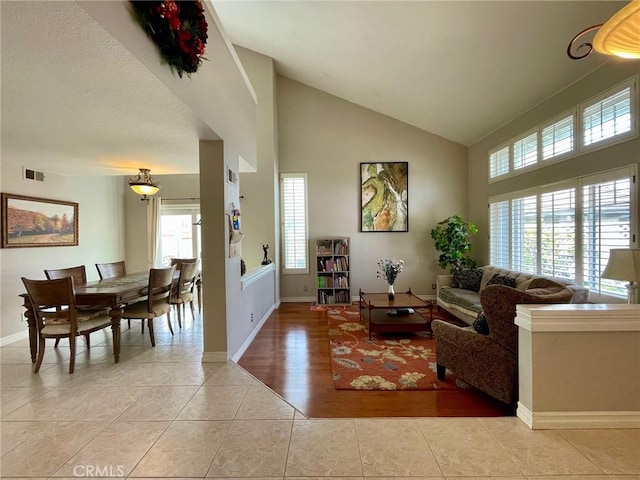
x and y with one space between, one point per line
178 28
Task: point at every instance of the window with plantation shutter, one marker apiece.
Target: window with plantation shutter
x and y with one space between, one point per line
524 234
558 233
499 229
567 230
608 117
293 193
606 224
525 151
557 138
499 162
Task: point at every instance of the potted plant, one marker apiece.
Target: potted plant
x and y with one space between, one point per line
452 240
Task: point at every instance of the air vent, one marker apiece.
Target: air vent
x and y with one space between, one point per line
30 174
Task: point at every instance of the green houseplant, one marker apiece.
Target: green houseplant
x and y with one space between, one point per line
452 240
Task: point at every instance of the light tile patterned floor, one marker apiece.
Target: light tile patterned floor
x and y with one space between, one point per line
160 412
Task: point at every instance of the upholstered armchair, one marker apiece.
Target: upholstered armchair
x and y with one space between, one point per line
490 362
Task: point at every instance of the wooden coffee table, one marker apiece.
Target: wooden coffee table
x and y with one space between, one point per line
379 308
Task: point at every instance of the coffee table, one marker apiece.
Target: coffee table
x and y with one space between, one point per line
378 308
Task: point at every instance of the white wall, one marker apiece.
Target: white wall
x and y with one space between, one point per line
328 137
101 236
480 190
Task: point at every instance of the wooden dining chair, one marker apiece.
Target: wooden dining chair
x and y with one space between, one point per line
179 261
111 270
157 303
183 292
54 307
79 275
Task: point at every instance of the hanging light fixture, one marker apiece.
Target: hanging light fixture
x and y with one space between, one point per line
144 184
619 36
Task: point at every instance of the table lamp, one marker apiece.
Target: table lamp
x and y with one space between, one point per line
624 265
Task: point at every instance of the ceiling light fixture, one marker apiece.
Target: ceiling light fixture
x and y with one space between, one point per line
144 184
619 36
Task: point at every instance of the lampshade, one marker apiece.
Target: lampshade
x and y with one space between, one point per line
619 36
144 184
623 265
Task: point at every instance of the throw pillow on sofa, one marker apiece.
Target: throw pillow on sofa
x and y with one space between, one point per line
480 324
467 278
499 279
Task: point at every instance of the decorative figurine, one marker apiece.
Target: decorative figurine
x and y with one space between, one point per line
265 249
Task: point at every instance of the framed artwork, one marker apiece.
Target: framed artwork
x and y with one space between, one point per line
38 222
384 195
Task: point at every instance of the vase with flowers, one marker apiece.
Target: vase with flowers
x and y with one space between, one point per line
389 270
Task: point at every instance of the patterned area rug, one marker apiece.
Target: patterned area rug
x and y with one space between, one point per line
386 362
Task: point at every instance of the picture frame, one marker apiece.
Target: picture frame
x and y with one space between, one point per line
38 222
384 197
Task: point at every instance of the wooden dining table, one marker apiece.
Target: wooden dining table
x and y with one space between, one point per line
112 293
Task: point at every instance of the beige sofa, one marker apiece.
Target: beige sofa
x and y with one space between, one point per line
465 304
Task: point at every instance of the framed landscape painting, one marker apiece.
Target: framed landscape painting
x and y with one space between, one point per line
384 195
38 222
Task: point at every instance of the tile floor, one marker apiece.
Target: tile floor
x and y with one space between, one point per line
161 413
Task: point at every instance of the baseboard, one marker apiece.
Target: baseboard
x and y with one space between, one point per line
577 420
247 342
297 299
214 357
16 337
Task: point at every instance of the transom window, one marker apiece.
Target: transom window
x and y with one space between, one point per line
608 118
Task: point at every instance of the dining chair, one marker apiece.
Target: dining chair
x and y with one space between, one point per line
157 303
179 261
183 293
79 275
111 270
54 307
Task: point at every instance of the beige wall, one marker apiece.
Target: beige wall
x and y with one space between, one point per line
101 236
327 138
600 160
259 189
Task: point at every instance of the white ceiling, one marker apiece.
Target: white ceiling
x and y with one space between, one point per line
74 101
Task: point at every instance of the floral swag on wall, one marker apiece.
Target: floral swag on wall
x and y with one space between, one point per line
179 29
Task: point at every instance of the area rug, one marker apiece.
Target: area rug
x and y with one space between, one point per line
386 362
315 307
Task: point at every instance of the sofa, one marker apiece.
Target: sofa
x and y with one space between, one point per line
490 362
460 296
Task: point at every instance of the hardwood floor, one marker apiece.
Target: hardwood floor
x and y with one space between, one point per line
290 354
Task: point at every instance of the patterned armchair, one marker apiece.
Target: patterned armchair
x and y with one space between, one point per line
490 362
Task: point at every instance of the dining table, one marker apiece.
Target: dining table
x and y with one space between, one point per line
111 293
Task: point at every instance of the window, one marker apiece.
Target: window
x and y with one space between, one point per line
606 220
499 162
294 222
524 221
179 232
566 230
525 151
557 138
499 233
603 120
608 117
558 233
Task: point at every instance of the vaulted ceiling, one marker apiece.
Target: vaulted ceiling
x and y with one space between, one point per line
77 102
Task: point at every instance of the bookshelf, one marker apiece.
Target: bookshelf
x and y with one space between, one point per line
332 271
